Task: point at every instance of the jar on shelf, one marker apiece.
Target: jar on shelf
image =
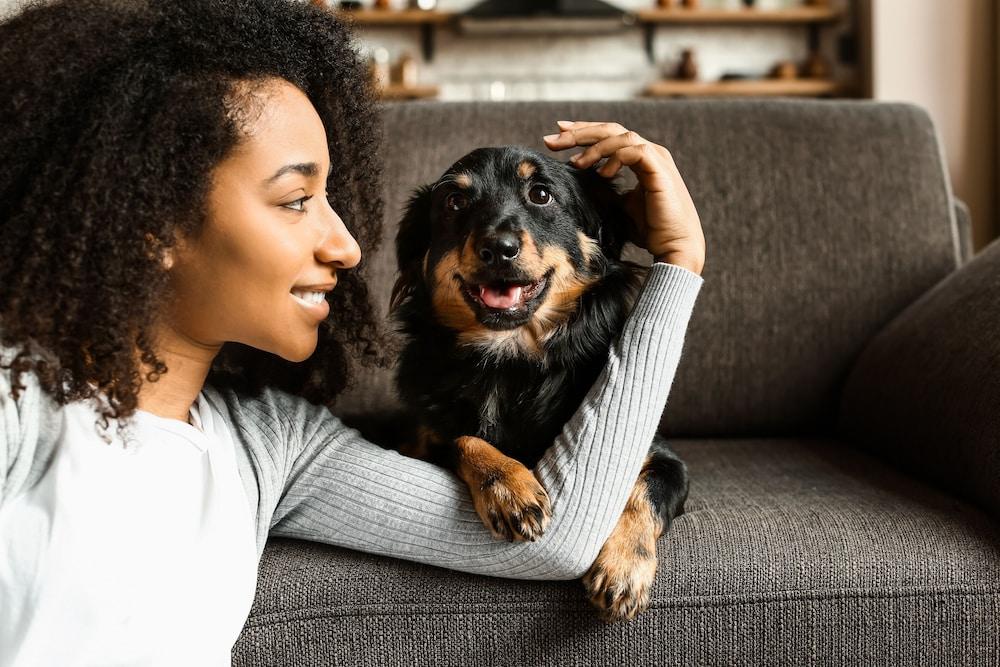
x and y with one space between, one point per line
785 69
687 68
407 68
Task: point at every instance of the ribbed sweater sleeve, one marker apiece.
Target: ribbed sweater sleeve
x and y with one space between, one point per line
317 479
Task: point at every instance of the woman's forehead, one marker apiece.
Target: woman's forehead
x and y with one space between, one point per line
283 129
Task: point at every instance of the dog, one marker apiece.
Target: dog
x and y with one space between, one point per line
510 291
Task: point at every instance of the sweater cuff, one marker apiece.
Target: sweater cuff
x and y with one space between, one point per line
668 288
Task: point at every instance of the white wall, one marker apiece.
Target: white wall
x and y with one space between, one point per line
609 66
942 56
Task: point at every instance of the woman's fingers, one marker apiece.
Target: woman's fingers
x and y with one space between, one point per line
582 133
605 140
664 219
610 146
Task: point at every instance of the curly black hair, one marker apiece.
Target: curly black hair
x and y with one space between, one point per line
112 115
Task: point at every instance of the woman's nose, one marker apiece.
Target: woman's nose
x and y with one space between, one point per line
338 245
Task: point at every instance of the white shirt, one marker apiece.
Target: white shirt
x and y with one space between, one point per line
137 556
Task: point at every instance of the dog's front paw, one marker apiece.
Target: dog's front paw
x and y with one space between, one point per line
618 582
506 495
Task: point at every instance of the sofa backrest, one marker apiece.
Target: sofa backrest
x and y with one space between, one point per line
823 219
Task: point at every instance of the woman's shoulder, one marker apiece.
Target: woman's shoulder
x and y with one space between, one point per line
29 428
270 411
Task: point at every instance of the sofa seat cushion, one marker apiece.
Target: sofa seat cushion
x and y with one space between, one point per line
791 551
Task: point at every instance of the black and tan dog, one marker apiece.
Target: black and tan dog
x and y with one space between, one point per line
511 288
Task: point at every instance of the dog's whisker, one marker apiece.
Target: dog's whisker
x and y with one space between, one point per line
451 178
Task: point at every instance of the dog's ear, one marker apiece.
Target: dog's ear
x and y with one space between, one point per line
413 239
603 215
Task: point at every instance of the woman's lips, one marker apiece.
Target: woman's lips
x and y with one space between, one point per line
319 310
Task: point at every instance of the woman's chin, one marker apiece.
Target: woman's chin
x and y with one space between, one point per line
299 351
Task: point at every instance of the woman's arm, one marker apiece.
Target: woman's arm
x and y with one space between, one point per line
342 489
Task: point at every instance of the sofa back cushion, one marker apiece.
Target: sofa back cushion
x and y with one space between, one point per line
823 219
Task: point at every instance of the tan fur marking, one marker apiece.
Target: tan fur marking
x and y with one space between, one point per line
468 262
588 247
463 180
506 495
450 307
525 169
530 259
620 578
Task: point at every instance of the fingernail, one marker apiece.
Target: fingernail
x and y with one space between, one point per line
564 123
550 137
575 157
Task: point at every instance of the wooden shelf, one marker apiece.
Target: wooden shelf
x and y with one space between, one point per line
397 92
813 18
810 17
803 15
425 19
396 17
745 87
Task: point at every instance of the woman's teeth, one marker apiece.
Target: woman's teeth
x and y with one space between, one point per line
312 298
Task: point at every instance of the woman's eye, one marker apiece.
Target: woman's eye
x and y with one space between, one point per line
539 194
456 201
298 204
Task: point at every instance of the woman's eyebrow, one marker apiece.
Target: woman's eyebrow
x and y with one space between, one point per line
308 169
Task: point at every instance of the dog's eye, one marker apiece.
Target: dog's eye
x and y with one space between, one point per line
539 195
456 201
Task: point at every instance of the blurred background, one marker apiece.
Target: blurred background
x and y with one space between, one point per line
941 55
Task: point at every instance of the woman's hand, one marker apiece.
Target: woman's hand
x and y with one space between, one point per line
666 222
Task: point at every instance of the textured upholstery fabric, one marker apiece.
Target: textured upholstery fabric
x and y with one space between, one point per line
791 552
964 219
824 221
925 393
817 235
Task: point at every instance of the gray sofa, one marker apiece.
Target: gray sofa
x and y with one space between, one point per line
838 404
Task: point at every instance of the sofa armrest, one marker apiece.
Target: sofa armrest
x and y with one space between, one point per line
925 392
963 217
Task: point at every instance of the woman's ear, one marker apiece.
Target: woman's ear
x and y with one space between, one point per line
603 213
413 239
156 250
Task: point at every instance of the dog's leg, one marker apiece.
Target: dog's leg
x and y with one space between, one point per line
506 494
618 582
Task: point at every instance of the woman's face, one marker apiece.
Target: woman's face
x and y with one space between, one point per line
271 240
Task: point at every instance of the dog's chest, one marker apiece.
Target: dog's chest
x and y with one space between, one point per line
523 415
489 412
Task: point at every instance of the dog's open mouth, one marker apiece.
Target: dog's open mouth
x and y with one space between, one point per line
505 296
505 303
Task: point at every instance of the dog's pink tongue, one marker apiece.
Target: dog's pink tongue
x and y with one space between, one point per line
502 297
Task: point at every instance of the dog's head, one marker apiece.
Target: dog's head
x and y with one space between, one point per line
508 239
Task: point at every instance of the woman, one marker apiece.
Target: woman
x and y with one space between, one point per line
186 194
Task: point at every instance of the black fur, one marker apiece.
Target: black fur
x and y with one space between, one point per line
445 385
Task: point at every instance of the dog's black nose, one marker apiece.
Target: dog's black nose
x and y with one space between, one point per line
499 247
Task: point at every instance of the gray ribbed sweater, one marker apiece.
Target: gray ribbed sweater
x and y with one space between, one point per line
311 477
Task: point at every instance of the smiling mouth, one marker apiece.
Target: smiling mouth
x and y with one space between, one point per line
505 297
